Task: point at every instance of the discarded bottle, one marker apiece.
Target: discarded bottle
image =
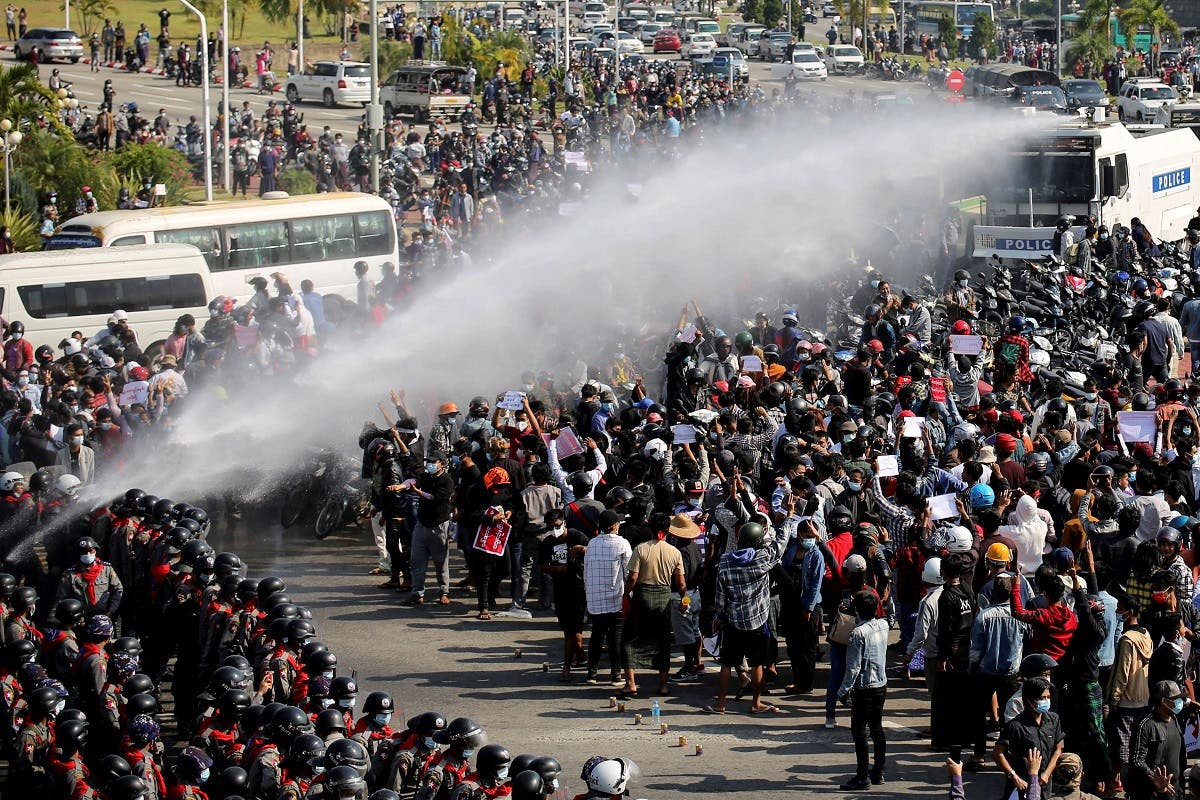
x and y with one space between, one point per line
656 712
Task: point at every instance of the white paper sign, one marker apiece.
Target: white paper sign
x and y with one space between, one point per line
684 434
1137 426
513 401
635 189
752 364
134 392
966 345
574 157
913 427
568 209
688 334
942 506
568 443
889 466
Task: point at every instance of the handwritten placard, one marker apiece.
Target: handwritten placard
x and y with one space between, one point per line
512 401
493 539
966 345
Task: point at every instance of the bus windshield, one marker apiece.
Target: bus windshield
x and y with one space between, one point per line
966 13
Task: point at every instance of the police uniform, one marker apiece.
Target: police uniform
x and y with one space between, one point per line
146 767
472 789
186 792
409 760
295 788
70 779
444 772
219 738
31 762
265 773
21 627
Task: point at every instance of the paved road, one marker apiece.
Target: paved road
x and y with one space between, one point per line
443 658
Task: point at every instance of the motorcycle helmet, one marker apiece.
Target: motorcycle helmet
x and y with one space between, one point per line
981 496
609 776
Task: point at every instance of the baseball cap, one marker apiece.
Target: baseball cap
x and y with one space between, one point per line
855 563
1165 690
608 518
1064 437
745 382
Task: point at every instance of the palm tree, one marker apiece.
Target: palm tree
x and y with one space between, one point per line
1151 14
1093 42
24 98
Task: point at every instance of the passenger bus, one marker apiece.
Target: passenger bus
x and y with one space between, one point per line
929 12
57 292
1141 38
1041 29
318 237
424 89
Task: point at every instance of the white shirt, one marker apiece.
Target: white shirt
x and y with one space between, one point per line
605 564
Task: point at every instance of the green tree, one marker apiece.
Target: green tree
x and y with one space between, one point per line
164 165
90 13
1151 14
948 32
751 10
771 12
23 98
983 34
1093 42
45 161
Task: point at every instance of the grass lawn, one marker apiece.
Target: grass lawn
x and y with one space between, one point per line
184 24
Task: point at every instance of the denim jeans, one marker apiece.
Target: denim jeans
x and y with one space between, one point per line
430 543
837 669
866 716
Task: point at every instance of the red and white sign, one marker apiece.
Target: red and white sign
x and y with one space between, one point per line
955 81
493 538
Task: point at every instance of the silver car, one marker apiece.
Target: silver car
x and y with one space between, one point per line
53 43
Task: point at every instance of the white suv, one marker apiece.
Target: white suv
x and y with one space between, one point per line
331 82
1140 99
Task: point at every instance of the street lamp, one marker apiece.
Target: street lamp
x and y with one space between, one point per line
208 132
9 141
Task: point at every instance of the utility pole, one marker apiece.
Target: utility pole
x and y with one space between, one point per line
374 112
224 48
208 188
299 36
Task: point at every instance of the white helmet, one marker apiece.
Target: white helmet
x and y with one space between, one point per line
932 572
68 485
10 480
960 540
965 430
610 776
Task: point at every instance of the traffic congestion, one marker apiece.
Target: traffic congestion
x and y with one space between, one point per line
510 400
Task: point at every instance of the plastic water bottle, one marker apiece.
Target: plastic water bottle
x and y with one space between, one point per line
656 712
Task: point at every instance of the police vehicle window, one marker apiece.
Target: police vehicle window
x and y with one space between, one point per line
374 233
206 240
257 244
126 241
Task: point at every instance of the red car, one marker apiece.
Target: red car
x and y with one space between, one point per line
667 41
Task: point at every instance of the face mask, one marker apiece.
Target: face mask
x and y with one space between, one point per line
87 558
431 469
430 743
963 283
468 753
1177 705
854 487
848 438
1090 396
608 408
1042 706
204 775
874 284
347 704
326 702
1132 478
502 773
318 769
382 719
1103 237
22 381
1186 431
1159 597
77 440
808 544
327 674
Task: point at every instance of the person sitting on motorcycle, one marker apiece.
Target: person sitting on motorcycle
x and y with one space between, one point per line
960 298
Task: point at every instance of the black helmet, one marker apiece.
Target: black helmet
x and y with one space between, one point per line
21 651
228 564
40 481
288 723
427 723
268 587
1103 472
343 687
962 275
383 794
798 405
307 749
548 767
521 762
224 678
16 327
344 783
232 702
773 394
328 721
839 519
125 644
1174 388
528 785
233 782
619 494
70 736
145 504
128 787
137 683
657 408
491 761
161 509
8 584
177 537
189 525
1036 664
141 704
873 310
581 484
347 753
300 630
381 449
67 613
197 515
1169 534
379 703
320 661
179 510
44 702
463 732
750 534
1141 401
695 377
247 589
1057 405
109 768
23 598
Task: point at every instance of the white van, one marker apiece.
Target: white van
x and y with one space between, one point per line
55 292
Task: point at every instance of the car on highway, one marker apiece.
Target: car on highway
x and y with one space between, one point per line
776 45
843 58
331 82
667 41
590 19
1043 98
628 43
1140 99
829 10
723 57
52 43
730 36
698 44
1082 93
647 31
805 64
748 41
603 38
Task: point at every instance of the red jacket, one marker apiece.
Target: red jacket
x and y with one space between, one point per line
1052 627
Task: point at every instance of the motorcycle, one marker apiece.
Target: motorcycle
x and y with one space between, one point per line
347 500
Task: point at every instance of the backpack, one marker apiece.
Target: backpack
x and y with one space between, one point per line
1072 253
1008 354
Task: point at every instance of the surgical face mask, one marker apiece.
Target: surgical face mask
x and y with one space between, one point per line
205 774
468 753
608 408
327 674
1177 705
431 469
874 284
808 544
87 558
1186 430
318 769
106 426
1090 396
854 487
382 719
18 336
326 702
1103 237
1132 477
1042 706
430 743
963 283
560 529
347 704
76 440
502 773
848 438
22 381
